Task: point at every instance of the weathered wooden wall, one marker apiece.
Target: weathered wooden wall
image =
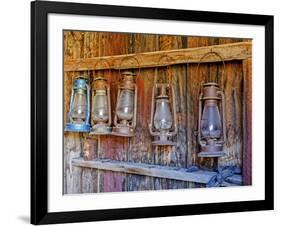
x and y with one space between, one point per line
139 148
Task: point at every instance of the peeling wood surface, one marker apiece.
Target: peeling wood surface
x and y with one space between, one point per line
77 45
87 46
113 147
173 155
247 122
141 149
232 51
231 83
165 172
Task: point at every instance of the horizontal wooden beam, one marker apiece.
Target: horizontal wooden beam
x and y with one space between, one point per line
232 51
174 173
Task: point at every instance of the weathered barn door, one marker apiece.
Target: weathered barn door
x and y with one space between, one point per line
236 83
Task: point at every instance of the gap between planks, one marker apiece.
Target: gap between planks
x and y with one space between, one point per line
144 169
232 51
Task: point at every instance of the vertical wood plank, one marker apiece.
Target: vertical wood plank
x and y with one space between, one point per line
89 177
72 141
176 155
72 174
194 80
232 85
140 147
113 147
247 122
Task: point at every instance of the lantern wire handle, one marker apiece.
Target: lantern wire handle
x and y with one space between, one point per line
168 67
129 57
185 63
208 54
101 60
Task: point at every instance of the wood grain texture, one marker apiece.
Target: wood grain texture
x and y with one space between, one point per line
72 141
232 51
177 174
194 80
83 48
90 148
72 174
140 145
231 84
173 155
113 147
247 122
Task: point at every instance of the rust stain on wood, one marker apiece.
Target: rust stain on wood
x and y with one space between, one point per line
81 50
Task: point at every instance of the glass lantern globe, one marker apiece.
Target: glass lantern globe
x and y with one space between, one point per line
211 122
163 124
163 120
125 105
101 110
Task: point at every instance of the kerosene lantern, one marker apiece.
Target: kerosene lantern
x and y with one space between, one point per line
163 122
101 109
79 112
101 106
126 107
211 125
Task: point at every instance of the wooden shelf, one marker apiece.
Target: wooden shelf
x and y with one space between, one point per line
232 51
175 173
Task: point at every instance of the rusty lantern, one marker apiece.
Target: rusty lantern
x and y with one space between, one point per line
101 110
163 124
163 121
126 107
211 120
101 106
211 124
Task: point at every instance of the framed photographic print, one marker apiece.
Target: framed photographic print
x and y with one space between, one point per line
145 112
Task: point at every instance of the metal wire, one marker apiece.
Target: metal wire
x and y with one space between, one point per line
129 57
168 67
208 54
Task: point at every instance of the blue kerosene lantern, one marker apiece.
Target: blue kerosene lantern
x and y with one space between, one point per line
79 113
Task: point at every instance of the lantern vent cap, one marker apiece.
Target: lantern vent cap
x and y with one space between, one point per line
100 78
210 84
128 73
80 82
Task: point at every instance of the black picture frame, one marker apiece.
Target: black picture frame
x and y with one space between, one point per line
39 112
